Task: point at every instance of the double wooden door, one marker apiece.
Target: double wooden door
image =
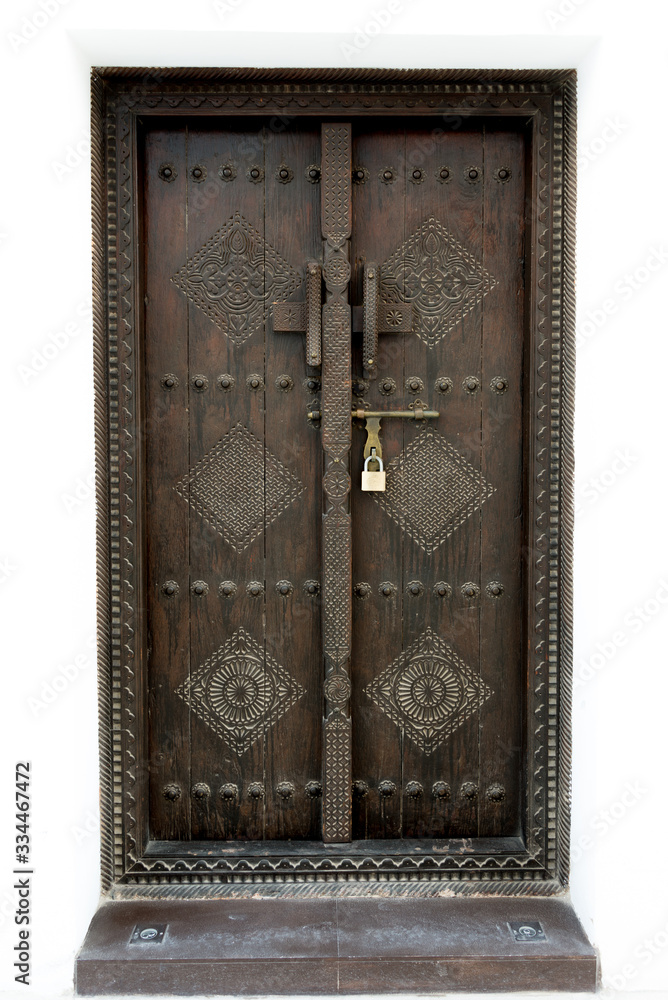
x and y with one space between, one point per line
326 663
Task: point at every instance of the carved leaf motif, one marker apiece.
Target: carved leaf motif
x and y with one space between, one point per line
440 277
235 276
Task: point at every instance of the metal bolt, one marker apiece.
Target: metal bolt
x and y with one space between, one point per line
503 174
387 590
359 175
445 173
442 591
254 383
167 172
199 382
283 173
311 385
415 384
284 383
313 173
473 174
312 588
471 384
387 175
415 588
284 589
255 172
199 589
169 590
417 174
169 382
225 382
369 362
470 592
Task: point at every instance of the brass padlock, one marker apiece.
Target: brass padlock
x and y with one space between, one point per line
373 481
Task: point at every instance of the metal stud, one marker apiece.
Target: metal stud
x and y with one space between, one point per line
499 384
228 588
362 590
443 384
415 588
170 588
313 789
229 791
285 789
284 383
471 384
255 588
166 172
470 590
227 172
255 382
469 790
283 174
441 790
200 383
198 173
387 386
442 589
386 788
502 175
494 589
169 381
414 384
200 588
473 174
226 382
417 175
313 173
256 790
387 589
312 588
443 174
200 791
255 174
414 789
172 792
284 588
496 792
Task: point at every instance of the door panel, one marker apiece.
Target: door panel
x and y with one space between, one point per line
234 472
236 469
437 704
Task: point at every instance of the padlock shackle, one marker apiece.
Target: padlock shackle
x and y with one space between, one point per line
374 458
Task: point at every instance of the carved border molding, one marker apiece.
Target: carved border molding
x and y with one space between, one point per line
546 101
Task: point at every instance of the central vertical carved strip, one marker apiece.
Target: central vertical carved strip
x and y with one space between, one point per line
336 439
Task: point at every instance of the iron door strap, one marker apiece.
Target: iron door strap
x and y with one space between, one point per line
336 213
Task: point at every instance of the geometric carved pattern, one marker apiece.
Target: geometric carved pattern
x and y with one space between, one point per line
234 278
337 799
431 489
239 487
240 691
428 691
439 276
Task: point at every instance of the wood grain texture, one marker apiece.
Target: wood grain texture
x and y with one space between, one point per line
545 101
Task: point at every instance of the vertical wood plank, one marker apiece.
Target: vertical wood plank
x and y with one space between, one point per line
293 760
502 524
166 441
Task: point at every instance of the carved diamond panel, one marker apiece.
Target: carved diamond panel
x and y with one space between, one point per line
240 691
428 691
235 276
431 489
440 277
239 487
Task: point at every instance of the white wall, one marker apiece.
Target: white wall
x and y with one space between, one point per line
620 816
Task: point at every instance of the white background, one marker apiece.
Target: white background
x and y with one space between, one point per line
47 556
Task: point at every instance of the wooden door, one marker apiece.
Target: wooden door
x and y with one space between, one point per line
333 665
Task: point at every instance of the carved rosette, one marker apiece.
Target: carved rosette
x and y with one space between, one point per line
336 439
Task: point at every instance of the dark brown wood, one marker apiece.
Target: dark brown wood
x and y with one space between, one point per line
335 946
483 170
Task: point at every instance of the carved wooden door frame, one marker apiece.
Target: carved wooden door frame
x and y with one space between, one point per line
543 103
